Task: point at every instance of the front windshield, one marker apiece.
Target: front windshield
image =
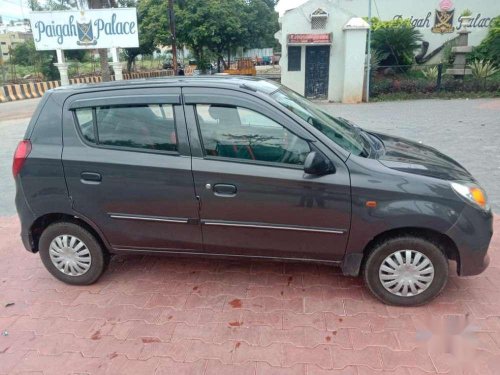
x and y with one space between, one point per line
342 133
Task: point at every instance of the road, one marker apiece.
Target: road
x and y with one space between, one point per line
466 130
14 118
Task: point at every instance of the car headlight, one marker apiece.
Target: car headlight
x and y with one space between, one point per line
472 193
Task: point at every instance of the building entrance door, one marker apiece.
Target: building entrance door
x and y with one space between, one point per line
317 64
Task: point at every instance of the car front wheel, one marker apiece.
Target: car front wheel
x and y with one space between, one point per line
72 254
406 271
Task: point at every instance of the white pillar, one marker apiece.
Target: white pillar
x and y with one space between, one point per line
354 60
63 67
117 65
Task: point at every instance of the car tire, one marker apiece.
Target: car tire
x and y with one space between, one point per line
72 254
406 271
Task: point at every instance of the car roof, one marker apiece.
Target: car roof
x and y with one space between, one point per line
244 82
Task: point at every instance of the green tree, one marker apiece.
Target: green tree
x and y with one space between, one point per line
152 18
212 24
221 26
154 27
261 22
395 41
34 5
43 61
489 49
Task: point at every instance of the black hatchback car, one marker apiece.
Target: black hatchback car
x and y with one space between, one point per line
240 167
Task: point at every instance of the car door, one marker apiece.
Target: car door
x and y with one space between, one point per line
127 164
255 199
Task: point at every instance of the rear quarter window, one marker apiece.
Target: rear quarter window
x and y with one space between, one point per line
85 120
146 127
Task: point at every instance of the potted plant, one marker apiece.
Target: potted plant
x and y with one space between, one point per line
466 18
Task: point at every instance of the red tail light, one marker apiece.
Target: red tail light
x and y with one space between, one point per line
22 151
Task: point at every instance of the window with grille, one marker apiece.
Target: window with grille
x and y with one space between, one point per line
318 19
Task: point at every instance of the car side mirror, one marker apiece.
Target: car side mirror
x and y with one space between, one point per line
317 164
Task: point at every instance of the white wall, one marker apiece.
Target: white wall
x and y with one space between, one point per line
354 64
419 10
256 52
346 61
295 80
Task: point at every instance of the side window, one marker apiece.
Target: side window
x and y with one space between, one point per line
240 133
251 118
85 120
150 127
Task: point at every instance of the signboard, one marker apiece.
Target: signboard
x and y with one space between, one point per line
86 29
310 38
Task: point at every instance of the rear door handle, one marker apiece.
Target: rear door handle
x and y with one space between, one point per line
224 190
91 177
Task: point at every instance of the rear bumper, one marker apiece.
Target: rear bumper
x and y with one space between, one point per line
26 217
472 235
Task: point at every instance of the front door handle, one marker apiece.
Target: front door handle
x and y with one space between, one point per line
91 177
224 190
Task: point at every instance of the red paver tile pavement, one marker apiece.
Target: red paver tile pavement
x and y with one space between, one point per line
161 315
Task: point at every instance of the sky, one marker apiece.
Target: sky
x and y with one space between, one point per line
16 9
13 9
287 4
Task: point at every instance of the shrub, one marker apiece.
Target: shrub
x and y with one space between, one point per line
25 54
483 69
448 56
466 13
450 84
396 40
375 58
430 73
405 85
381 87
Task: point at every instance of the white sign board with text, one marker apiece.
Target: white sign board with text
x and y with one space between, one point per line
86 29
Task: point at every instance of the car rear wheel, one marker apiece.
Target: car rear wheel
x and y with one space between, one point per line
406 271
72 254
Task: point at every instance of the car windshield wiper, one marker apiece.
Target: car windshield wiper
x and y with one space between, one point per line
368 145
376 144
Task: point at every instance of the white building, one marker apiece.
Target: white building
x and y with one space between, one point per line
323 51
20 26
323 41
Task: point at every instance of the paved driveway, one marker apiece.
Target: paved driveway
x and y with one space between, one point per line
177 316
14 118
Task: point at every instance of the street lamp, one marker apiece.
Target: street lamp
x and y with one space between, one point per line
2 67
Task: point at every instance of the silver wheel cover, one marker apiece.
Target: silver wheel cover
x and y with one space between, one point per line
406 273
70 255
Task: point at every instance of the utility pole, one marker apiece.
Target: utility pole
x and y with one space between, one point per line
171 16
2 66
369 51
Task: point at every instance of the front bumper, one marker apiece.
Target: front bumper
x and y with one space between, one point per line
472 235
